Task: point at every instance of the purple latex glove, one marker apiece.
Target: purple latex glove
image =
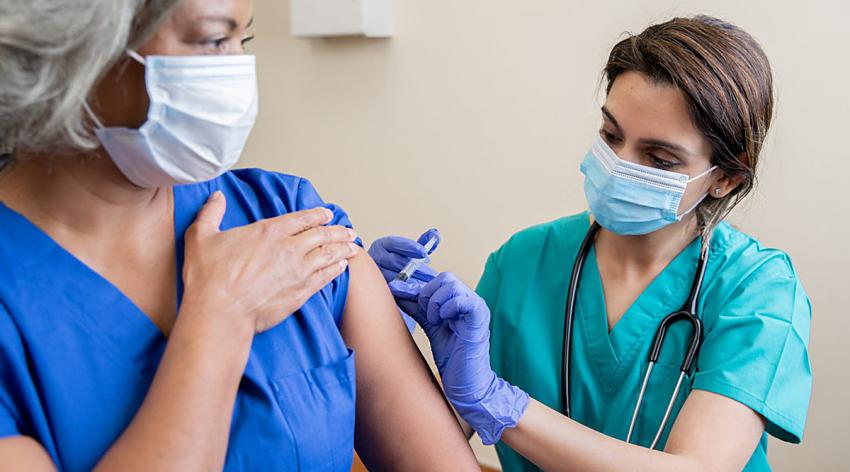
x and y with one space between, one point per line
392 253
457 323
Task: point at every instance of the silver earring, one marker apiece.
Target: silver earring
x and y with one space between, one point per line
717 192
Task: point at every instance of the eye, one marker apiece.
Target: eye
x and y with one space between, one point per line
661 163
247 39
609 137
217 43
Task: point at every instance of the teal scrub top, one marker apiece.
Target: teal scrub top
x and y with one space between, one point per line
756 318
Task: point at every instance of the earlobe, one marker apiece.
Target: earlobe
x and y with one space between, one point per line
725 185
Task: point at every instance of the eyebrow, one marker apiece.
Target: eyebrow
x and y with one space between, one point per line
611 118
666 145
231 23
647 141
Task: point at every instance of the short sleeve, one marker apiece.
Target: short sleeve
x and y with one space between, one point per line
488 285
757 350
11 360
308 197
488 289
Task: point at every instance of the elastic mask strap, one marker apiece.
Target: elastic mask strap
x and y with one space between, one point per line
136 56
693 207
708 171
93 117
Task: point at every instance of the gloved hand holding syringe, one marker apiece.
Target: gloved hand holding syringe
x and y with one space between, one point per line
403 262
415 264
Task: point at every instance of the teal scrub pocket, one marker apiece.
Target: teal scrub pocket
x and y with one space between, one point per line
318 406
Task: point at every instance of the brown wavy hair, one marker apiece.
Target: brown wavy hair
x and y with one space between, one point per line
728 85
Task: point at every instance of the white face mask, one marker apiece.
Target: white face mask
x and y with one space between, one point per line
202 109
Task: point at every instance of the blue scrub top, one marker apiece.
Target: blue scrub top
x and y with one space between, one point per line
755 315
77 356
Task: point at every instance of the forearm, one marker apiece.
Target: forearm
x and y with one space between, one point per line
554 442
184 421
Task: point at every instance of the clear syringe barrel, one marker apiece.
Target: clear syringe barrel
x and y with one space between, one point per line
414 264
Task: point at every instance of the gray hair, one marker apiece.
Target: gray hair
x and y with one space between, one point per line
52 53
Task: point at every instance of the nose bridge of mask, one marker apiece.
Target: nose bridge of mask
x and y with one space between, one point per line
621 168
612 161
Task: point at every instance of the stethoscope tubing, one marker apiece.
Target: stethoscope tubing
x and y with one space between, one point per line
687 313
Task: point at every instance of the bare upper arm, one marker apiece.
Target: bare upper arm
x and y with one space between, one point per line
24 453
403 421
716 432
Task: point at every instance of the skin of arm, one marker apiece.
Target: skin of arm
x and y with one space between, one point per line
711 433
24 453
403 420
190 403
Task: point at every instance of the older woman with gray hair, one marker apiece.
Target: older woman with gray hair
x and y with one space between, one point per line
159 311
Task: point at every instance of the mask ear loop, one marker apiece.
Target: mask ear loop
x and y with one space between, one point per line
93 117
707 171
695 205
137 57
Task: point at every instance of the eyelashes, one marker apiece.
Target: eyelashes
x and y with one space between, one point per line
657 162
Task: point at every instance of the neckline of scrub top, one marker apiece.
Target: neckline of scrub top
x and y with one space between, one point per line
36 236
615 352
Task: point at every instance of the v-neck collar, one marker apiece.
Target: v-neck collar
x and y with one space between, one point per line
614 353
43 249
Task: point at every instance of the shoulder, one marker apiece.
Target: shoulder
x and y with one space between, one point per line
255 194
750 284
565 233
744 265
757 320
291 191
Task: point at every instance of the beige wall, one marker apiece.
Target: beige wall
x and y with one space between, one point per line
474 118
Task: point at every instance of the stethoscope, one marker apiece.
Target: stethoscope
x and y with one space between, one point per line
687 313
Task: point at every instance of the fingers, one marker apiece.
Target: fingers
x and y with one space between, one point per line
209 217
409 308
406 290
425 273
430 303
324 235
322 277
328 255
389 275
447 298
298 222
427 235
468 316
407 248
393 261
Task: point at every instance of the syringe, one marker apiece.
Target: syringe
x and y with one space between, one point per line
414 264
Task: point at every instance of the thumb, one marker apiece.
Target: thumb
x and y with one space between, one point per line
209 218
408 290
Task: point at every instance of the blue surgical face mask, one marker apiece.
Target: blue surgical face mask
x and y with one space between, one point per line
632 199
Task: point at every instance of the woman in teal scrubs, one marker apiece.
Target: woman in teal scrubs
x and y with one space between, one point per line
688 105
